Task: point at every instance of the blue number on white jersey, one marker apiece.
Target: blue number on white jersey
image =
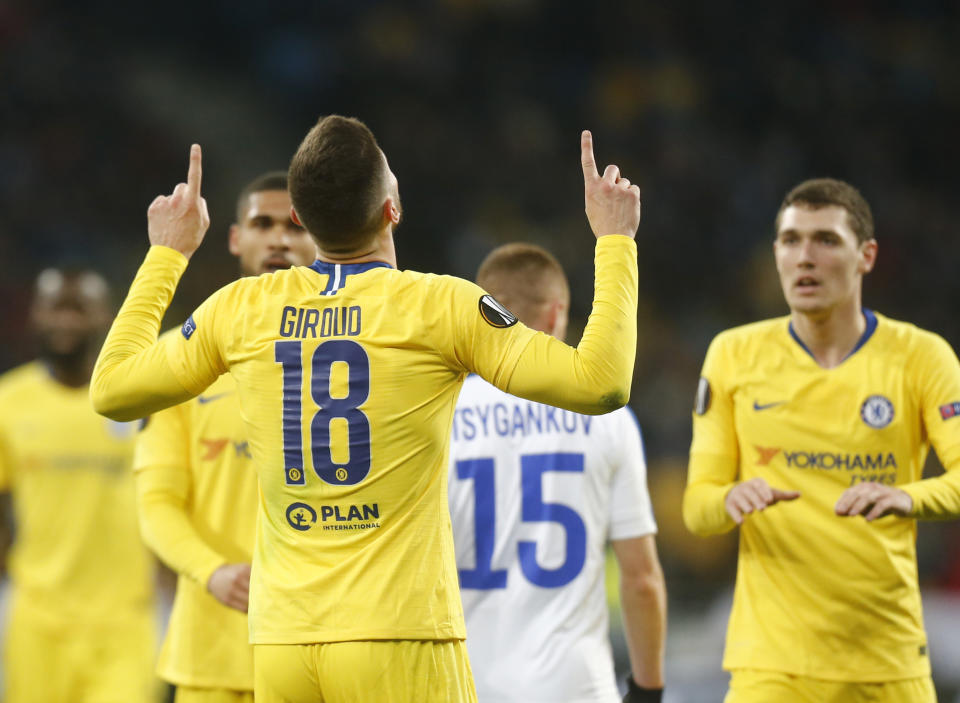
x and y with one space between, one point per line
482 472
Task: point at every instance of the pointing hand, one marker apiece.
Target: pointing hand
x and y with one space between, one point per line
612 203
180 220
754 495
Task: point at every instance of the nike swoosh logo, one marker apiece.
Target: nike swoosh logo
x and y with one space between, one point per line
211 398
766 406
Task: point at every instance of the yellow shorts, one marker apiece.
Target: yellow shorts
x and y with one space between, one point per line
187 694
754 686
392 671
69 663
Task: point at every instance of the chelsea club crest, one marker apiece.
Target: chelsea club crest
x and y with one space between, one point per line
877 411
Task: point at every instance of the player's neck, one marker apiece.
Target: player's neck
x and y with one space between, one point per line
71 372
380 249
832 335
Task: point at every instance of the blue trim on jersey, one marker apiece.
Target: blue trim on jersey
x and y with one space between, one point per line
643 445
337 273
868 315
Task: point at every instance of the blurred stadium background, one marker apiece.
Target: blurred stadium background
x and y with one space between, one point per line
716 109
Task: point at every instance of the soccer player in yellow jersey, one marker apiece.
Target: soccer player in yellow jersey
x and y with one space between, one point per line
347 375
197 490
81 623
810 432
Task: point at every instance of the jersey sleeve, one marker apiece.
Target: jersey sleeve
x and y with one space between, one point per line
592 378
164 480
937 379
196 350
6 460
631 514
136 375
714 453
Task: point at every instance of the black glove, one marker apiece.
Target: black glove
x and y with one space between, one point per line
636 694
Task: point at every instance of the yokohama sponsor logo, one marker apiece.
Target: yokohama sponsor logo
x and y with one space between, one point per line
829 461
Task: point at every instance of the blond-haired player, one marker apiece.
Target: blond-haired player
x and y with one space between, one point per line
536 493
81 623
810 433
347 373
197 489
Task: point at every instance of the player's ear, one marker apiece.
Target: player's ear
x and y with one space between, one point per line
391 213
295 217
868 255
233 243
559 319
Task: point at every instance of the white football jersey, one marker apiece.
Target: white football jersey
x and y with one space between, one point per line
535 493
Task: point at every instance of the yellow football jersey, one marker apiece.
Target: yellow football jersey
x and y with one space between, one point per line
817 594
197 492
77 558
347 377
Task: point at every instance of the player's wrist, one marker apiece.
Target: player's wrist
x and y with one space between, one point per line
638 694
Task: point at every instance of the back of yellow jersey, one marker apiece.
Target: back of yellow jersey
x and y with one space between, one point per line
77 556
348 376
818 594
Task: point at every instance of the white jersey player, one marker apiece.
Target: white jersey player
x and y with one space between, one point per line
535 494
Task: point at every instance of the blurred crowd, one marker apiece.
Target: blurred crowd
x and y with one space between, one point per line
715 109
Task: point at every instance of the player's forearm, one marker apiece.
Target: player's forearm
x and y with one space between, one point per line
704 512
595 377
167 530
643 602
132 377
935 498
709 480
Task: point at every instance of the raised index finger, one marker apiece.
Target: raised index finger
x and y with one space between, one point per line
195 171
587 161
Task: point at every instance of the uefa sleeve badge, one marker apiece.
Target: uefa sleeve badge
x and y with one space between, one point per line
189 327
702 403
495 314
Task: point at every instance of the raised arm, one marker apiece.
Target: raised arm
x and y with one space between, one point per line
595 376
132 376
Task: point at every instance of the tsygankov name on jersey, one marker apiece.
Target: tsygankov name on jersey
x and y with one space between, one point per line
516 421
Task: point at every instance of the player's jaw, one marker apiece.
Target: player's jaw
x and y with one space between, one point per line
819 291
805 291
277 261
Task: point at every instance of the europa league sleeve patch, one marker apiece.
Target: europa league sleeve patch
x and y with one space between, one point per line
702 403
495 314
189 327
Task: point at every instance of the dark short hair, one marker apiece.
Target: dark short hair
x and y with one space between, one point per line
521 276
272 180
817 193
75 274
337 182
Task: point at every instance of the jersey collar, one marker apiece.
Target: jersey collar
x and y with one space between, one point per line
868 315
337 273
